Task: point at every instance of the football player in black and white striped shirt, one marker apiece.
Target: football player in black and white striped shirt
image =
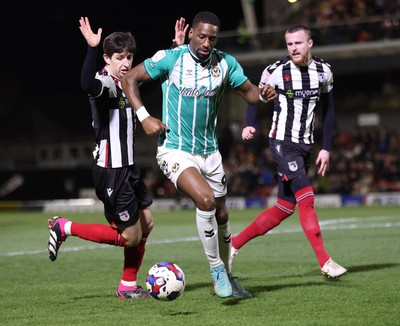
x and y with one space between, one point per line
118 181
301 81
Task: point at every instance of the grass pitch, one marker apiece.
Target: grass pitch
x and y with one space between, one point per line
280 270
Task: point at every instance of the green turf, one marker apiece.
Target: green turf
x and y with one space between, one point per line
280 270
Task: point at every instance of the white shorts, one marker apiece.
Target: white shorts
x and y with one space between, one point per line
173 162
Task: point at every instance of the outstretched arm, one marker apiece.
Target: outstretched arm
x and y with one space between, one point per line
130 84
256 96
89 83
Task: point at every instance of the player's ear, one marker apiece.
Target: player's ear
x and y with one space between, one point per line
190 35
106 58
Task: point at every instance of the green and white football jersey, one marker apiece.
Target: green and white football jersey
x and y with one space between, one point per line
192 93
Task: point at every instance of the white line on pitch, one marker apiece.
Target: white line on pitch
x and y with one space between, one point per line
325 225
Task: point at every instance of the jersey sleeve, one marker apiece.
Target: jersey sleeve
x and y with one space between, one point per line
328 86
328 117
89 83
251 116
236 73
265 76
160 63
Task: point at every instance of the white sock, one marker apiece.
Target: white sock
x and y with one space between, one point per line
208 232
67 228
126 283
224 239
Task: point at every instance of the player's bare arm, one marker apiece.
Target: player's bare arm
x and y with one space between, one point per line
130 84
254 95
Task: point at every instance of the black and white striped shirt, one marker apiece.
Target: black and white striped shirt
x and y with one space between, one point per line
113 118
299 89
114 124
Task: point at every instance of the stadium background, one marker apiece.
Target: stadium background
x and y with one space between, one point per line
46 138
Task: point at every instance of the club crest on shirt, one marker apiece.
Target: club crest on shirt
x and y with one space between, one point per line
293 166
123 216
215 71
175 167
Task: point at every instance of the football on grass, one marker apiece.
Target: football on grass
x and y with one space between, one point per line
165 281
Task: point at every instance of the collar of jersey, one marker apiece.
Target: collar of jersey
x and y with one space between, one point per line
195 58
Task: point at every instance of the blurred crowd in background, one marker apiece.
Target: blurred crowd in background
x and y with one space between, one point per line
332 22
35 136
354 20
364 160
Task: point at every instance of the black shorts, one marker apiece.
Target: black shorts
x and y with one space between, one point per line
291 159
123 194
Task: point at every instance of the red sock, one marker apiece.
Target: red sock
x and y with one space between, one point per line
264 222
133 257
309 223
100 233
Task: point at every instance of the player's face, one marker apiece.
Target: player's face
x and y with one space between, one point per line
299 47
203 39
119 63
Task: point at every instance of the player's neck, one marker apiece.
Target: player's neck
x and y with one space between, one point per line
306 61
194 56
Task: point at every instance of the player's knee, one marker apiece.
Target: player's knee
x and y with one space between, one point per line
299 183
132 241
206 203
146 221
132 236
149 227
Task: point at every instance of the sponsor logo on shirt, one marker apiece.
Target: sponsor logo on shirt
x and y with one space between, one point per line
302 93
198 92
121 103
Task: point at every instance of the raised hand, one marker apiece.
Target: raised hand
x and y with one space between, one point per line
180 32
92 39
